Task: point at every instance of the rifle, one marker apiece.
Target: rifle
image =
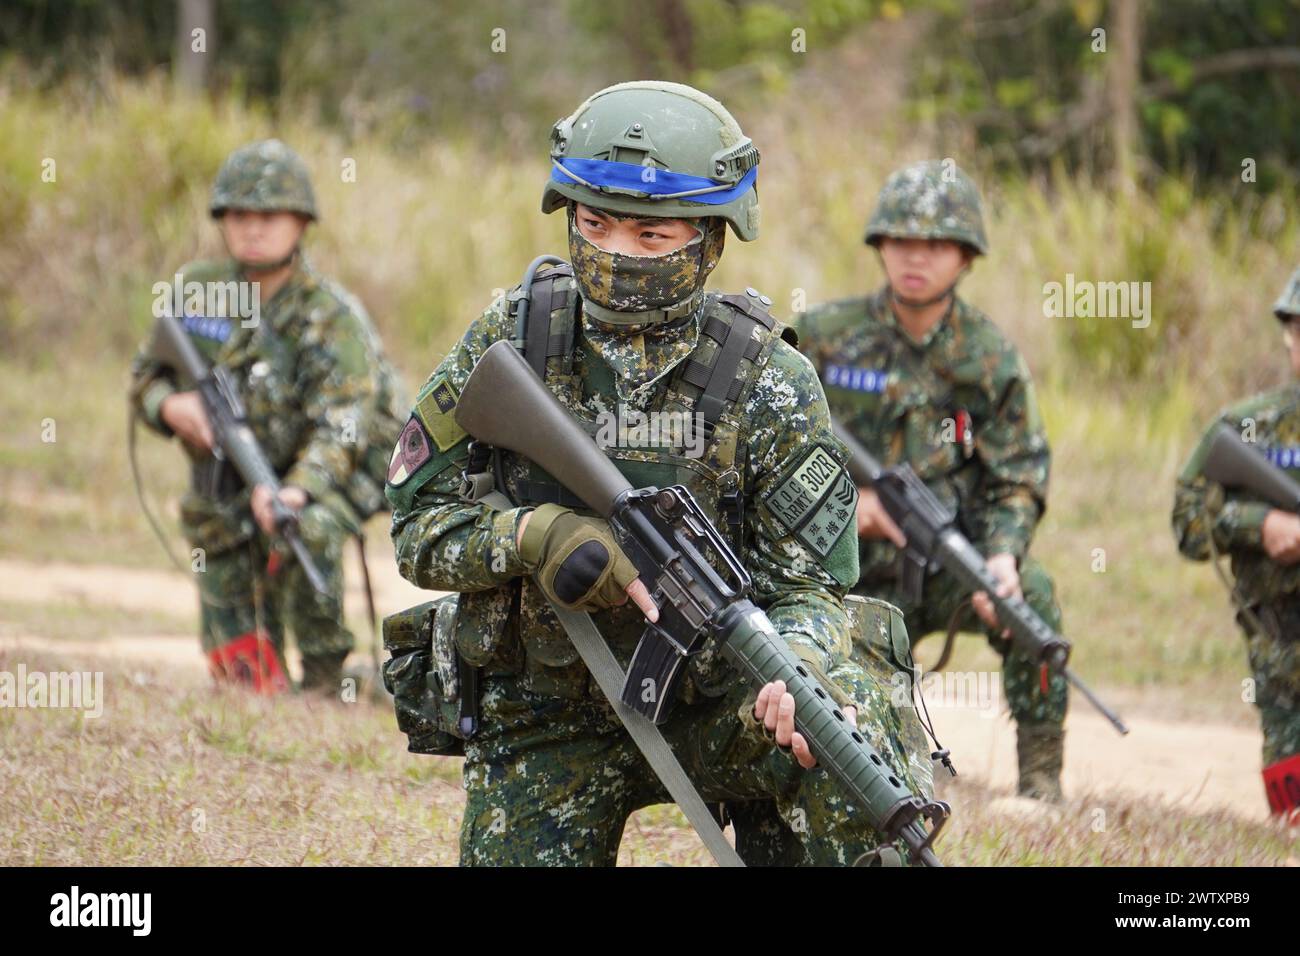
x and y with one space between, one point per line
1233 463
934 540
234 441
664 532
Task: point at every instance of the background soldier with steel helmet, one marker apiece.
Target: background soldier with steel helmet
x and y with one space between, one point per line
920 376
649 175
1263 543
310 371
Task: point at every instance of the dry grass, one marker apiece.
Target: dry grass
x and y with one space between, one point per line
177 773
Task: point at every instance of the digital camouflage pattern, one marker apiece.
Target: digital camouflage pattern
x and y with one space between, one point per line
237 595
551 776
1039 716
1204 509
959 407
319 397
638 284
929 200
1288 303
265 176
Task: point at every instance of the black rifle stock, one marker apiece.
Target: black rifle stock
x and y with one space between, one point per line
933 538
1234 463
233 439
663 532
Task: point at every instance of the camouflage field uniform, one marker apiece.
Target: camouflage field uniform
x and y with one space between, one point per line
1208 518
551 775
319 397
958 407
1272 590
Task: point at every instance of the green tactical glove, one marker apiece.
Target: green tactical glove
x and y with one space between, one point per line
577 561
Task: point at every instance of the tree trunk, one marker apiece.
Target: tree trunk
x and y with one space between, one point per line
1124 61
190 65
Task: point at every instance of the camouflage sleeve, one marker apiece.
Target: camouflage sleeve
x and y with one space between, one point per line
150 385
442 542
1014 452
1201 509
801 546
337 378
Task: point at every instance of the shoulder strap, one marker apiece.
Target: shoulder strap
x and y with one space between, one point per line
718 379
546 294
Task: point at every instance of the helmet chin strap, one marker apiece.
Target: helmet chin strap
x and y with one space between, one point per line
264 267
257 268
920 303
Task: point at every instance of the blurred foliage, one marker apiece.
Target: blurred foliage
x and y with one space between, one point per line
58 39
1021 72
1023 76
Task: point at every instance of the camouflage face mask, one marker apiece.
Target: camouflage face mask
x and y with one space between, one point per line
628 290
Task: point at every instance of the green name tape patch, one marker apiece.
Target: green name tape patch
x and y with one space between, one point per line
816 502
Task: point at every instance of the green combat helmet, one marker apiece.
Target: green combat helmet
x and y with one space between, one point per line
266 176
655 149
1288 303
929 200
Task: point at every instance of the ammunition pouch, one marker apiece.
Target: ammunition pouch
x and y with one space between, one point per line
435 692
881 677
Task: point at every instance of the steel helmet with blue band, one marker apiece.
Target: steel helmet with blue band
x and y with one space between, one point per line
655 149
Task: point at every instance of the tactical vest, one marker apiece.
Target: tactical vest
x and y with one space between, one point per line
710 386
705 391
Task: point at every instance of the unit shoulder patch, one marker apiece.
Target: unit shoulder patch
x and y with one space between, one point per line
816 501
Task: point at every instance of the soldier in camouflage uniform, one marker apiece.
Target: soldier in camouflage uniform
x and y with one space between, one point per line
551 775
319 396
920 376
1264 545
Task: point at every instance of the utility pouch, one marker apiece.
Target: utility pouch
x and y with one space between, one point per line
435 692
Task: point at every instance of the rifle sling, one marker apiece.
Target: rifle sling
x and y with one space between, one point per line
604 666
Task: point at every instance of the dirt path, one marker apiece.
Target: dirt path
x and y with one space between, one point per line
171 592
1192 765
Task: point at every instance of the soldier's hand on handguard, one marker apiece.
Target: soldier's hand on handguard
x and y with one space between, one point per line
874 520
775 709
1281 534
294 498
184 414
1002 567
578 563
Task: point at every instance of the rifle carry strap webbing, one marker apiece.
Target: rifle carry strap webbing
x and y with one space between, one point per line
604 666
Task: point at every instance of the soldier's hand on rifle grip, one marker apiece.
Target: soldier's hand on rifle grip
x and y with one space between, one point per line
295 499
184 414
874 520
1002 567
775 708
578 563
1281 536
